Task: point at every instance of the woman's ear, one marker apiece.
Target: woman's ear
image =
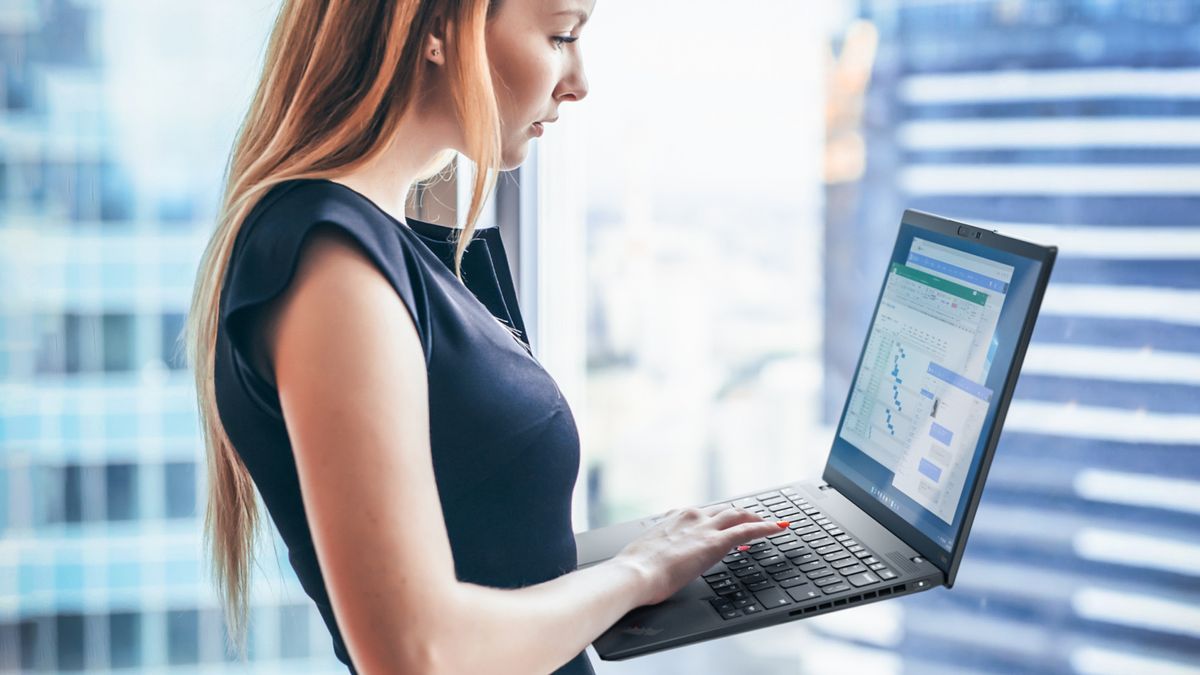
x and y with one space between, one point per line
435 41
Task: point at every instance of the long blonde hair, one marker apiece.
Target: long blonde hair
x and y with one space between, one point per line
337 78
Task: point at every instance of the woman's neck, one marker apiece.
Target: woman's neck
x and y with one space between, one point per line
388 178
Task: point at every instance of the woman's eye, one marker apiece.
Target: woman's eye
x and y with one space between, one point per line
559 40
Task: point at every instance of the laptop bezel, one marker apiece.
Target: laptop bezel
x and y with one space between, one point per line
949 562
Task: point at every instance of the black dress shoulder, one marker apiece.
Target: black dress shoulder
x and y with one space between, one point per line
504 442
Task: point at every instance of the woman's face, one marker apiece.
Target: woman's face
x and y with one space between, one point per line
536 66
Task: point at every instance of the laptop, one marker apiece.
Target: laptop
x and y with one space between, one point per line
892 511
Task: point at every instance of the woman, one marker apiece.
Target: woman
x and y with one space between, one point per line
416 459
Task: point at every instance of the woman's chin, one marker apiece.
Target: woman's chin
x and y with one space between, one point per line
512 157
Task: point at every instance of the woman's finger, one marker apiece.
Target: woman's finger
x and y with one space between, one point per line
739 534
734 516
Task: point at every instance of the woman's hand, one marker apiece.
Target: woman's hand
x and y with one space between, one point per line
686 542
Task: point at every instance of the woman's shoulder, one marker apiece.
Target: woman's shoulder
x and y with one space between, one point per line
269 246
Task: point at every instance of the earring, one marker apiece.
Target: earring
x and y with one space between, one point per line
434 53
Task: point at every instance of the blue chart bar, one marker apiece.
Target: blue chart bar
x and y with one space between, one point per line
941 433
930 469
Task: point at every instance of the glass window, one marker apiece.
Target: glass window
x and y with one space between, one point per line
69 634
37 646
183 636
48 490
72 493
172 329
180 489
125 639
118 342
120 491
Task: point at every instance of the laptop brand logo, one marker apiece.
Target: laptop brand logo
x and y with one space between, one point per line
642 631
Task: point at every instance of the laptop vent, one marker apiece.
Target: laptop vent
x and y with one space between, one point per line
903 563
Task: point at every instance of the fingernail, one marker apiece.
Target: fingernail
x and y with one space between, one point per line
783 524
743 547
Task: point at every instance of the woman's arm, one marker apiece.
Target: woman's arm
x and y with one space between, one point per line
353 386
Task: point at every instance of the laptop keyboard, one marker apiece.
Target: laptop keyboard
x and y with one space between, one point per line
812 559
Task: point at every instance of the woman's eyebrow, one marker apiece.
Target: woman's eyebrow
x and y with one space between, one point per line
582 15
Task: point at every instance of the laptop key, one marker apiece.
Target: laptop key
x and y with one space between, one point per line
771 560
748 600
745 571
720 574
752 578
782 535
748 501
781 575
814 565
794 581
820 543
855 569
802 594
826 550
825 581
731 614
767 495
734 557
754 588
817 574
789 546
863 554
751 609
844 562
777 499
836 555
765 553
777 567
801 556
886 574
739 565
864 579
726 590
877 566
720 604
870 561
836 588
772 597
812 536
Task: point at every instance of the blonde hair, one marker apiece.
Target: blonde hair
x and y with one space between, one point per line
337 79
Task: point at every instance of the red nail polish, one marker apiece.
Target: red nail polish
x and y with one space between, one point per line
743 547
783 524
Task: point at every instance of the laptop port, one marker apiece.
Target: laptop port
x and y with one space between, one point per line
899 589
854 598
825 605
839 603
884 591
868 595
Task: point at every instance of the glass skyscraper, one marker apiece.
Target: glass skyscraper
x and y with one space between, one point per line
105 204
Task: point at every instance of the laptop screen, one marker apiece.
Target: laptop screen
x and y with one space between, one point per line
924 397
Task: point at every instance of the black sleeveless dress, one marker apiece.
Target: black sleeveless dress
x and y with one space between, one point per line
504 442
